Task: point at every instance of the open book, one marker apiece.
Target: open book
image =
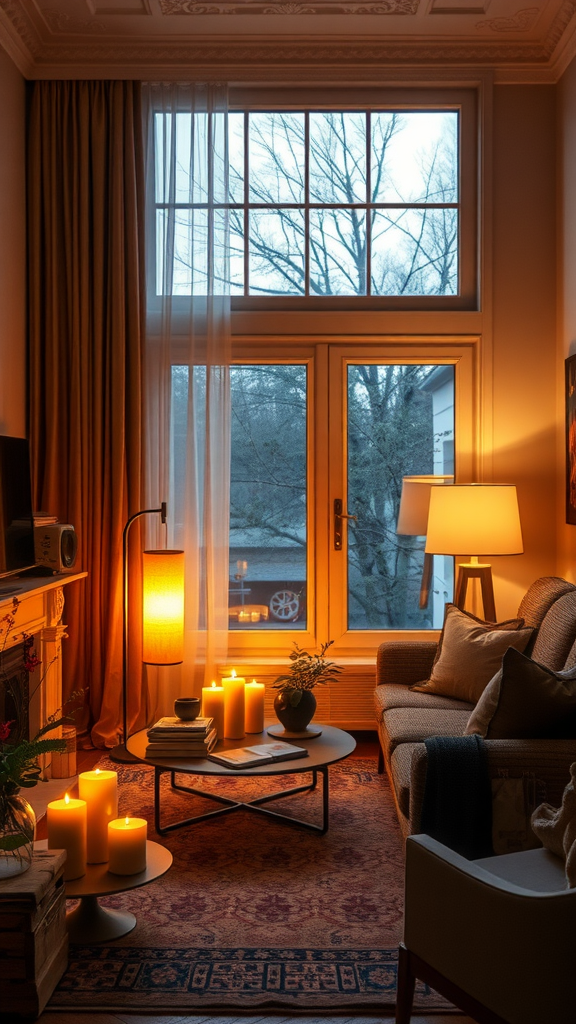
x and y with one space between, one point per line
264 753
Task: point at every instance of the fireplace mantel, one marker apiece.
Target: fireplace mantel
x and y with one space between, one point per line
39 613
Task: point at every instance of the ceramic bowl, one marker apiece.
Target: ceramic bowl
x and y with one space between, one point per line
187 708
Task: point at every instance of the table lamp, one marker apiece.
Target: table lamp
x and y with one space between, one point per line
163 617
413 518
474 517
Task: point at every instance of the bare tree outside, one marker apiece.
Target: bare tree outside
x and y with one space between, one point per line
334 203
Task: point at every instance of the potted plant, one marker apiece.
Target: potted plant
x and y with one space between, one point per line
295 703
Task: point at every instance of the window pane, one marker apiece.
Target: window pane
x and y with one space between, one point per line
415 157
337 252
276 157
268 497
400 423
337 158
276 252
236 157
415 252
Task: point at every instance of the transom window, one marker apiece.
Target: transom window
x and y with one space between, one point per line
318 203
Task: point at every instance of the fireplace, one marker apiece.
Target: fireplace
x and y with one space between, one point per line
14 688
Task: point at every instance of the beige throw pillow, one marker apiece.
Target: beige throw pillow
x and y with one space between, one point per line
470 653
526 700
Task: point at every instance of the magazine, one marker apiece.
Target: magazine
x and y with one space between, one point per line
264 753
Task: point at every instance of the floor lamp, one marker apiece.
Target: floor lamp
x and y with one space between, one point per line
413 518
163 616
474 517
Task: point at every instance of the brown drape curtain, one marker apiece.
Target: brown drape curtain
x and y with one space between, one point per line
86 326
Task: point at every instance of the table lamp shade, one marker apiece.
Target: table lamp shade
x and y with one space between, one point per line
474 519
163 607
415 502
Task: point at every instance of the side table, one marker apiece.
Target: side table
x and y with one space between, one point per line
90 922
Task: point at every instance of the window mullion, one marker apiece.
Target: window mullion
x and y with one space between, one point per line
307 203
368 206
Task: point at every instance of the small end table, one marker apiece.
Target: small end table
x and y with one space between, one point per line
90 922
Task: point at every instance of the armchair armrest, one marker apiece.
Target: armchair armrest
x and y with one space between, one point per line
490 937
405 662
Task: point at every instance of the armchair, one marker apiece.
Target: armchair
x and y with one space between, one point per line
495 936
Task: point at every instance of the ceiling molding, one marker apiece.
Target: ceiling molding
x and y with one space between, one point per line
90 53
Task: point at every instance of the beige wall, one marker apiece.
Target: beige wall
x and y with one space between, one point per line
524 326
12 250
567 294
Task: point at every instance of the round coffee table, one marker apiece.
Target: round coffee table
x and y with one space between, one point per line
331 746
89 922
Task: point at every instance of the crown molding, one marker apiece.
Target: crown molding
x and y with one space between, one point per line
255 59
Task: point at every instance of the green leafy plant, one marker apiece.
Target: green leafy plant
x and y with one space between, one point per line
19 756
306 671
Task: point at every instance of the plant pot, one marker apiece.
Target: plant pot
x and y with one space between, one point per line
295 719
17 833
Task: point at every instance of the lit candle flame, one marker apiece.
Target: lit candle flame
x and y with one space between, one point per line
97 771
66 799
127 822
253 680
213 684
233 673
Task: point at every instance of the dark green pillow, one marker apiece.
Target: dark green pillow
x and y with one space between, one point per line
526 700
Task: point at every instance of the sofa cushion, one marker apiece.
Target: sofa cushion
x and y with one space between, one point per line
557 633
526 700
397 696
413 725
400 767
470 652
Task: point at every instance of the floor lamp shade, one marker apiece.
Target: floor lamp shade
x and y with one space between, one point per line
474 519
163 607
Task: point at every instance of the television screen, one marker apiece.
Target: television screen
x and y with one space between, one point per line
16 517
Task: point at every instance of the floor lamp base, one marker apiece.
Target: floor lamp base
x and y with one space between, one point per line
121 755
482 572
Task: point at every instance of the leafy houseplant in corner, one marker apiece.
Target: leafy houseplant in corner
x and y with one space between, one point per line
295 703
19 764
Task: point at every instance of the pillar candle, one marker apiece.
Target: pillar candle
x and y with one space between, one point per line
234 707
127 846
66 820
254 721
213 706
100 791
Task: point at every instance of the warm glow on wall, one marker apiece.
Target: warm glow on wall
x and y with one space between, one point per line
163 607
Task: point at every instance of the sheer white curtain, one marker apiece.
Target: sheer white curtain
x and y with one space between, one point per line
187 412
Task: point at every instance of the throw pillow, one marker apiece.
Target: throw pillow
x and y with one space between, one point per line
470 652
526 700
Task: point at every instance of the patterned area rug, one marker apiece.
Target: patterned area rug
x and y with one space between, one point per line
255 914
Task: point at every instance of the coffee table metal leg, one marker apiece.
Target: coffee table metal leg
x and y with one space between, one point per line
90 922
249 805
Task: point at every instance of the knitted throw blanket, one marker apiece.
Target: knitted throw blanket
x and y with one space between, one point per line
457 803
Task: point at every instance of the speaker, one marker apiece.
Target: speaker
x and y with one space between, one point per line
55 546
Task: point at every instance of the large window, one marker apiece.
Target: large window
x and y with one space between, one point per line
321 203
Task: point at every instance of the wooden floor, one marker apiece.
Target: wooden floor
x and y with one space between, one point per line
367 746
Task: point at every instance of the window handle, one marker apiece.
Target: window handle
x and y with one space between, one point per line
339 515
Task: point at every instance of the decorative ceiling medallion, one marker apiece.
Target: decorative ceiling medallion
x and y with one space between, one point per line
265 7
519 22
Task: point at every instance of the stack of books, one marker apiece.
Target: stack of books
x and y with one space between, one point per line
171 737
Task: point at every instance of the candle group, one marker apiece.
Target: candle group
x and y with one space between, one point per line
236 706
90 831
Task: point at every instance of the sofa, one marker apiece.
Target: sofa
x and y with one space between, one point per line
523 772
